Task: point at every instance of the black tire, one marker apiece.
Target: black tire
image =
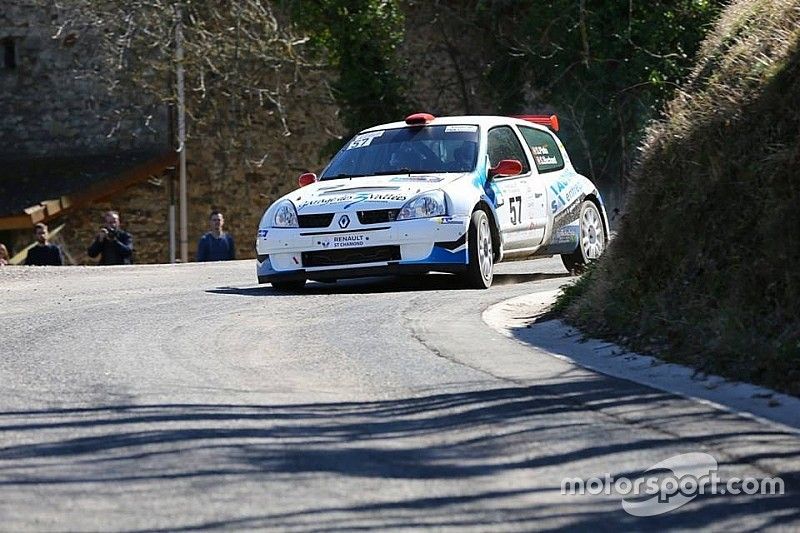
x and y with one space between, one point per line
480 270
289 286
592 240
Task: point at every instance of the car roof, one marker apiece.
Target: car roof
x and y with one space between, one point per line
479 120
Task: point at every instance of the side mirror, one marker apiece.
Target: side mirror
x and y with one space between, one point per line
306 179
506 167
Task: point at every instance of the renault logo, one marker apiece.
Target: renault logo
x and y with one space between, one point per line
344 221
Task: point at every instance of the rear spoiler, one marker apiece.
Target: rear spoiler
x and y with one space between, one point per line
551 121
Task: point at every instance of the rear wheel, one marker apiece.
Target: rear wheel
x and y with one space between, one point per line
480 270
592 241
289 286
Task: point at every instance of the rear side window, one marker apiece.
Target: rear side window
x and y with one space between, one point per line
545 150
503 144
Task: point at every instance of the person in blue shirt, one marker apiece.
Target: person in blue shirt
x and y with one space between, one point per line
216 245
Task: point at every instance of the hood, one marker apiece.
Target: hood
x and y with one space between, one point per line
372 192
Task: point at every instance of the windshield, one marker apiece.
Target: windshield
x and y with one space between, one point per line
451 148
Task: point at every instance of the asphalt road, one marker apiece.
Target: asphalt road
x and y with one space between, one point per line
179 397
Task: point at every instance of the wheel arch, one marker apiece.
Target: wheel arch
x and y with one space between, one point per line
594 197
494 226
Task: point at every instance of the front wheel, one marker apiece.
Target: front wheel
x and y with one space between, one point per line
480 270
592 242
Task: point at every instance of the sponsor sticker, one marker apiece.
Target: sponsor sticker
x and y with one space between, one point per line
546 160
461 128
347 240
426 179
354 199
573 193
365 139
540 150
567 234
558 187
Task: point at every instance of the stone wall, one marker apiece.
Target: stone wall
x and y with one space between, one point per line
446 58
220 179
446 78
50 105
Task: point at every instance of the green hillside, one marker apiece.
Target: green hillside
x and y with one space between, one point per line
705 269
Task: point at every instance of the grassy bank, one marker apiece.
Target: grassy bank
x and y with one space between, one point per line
705 269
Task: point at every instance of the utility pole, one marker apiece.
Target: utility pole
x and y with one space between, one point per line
184 212
171 174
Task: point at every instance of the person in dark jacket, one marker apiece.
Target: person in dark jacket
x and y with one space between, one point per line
216 245
112 244
44 253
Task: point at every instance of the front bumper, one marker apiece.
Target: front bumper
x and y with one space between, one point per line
390 269
415 246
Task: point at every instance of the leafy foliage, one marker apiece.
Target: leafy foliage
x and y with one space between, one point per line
360 39
240 60
608 66
704 267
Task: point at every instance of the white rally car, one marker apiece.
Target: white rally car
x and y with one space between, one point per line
443 194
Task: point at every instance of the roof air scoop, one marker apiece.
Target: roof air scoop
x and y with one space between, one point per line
419 119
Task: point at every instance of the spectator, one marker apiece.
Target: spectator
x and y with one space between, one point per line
43 253
216 245
112 244
4 258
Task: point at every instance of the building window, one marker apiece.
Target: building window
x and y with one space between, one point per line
9 50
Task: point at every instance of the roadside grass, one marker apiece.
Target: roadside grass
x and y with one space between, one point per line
704 269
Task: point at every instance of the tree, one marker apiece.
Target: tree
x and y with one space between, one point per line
240 59
608 67
360 39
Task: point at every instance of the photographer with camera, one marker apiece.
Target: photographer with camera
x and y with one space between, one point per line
112 244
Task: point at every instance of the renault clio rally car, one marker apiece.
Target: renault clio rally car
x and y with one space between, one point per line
434 194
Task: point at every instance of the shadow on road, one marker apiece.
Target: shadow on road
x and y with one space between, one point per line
529 436
375 285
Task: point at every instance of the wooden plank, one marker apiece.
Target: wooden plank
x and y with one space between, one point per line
36 212
16 222
52 207
125 180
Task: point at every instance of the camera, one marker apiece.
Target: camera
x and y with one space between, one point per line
111 233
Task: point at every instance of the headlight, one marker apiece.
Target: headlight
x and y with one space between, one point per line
285 215
426 205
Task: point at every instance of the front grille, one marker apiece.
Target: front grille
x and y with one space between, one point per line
322 220
351 256
377 216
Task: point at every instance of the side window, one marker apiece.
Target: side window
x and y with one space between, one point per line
503 144
545 150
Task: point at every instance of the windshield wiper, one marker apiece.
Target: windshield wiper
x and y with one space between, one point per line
404 170
341 176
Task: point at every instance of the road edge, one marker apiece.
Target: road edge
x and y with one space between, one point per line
515 318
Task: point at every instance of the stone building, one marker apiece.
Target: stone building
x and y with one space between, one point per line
69 151
60 151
